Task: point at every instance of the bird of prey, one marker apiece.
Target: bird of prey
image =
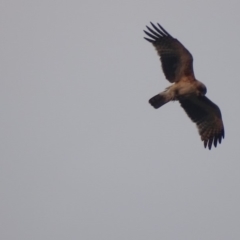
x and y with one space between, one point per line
177 65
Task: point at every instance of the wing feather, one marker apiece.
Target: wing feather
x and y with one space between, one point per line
207 116
176 60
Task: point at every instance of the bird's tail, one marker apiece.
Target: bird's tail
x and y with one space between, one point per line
159 100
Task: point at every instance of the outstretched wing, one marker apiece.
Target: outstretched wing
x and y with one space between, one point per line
176 60
207 116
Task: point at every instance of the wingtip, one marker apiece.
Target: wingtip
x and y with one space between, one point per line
208 143
164 31
149 40
205 143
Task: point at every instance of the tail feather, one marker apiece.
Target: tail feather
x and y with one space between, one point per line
158 100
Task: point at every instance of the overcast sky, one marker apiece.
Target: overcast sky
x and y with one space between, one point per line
83 155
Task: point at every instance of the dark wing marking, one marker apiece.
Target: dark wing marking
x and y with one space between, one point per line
207 116
176 60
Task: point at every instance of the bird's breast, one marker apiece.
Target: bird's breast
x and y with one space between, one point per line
184 89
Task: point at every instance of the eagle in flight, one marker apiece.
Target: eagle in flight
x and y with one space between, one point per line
177 65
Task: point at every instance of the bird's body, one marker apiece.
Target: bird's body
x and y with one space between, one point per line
177 65
185 88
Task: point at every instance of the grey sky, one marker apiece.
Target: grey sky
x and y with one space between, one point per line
83 155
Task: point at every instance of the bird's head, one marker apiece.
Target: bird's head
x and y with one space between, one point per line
201 88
